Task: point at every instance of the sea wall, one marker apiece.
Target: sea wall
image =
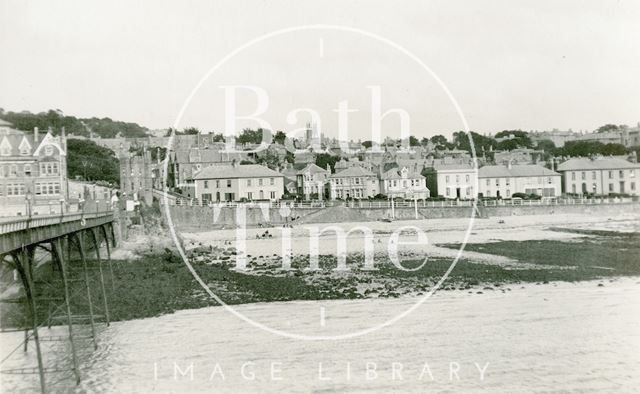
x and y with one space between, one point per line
201 218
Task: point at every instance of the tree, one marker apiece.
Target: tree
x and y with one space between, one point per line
521 139
609 127
249 136
322 159
546 145
91 162
441 142
367 144
190 131
614 149
480 142
413 141
280 137
424 141
582 148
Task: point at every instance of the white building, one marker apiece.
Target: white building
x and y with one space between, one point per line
354 182
599 176
504 181
404 183
238 182
455 180
311 180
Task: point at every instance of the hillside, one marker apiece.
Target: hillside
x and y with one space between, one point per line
105 127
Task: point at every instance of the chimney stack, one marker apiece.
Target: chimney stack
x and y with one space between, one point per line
35 134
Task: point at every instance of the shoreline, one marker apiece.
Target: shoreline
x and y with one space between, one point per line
153 282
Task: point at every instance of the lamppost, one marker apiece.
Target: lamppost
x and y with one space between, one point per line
61 206
27 199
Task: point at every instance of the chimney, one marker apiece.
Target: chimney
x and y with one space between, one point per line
509 164
35 134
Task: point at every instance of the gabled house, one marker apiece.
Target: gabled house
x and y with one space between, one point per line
404 183
33 172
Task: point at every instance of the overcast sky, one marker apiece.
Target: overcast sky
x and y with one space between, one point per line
509 64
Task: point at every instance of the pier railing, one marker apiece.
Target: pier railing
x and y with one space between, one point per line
552 201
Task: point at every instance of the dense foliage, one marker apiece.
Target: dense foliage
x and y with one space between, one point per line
89 161
56 120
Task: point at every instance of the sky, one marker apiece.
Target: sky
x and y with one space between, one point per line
531 65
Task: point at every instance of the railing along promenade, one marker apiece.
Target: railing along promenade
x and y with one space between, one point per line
409 204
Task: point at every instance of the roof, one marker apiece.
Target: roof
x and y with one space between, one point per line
604 163
452 166
353 172
395 173
15 139
514 171
312 168
4 123
238 171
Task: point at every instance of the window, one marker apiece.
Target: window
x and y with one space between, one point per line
497 181
621 174
218 185
507 181
610 174
593 175
457 178
260 182
248 182
549 180
466 178
447 192
55 168
272 182
633 185
27 170
446 179
273 194
584 175
611 187
488 181
250 196
508 193
14 170
573 175
228 182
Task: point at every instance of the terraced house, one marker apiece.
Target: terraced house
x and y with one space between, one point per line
237 182
33 172
354 182
504 181
600 176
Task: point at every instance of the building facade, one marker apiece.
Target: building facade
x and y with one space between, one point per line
237 182
600 176
404 183
311 181
33 172
504 181
354 182
452 180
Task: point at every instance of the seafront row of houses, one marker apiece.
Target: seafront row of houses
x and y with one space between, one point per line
33 173
578 176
